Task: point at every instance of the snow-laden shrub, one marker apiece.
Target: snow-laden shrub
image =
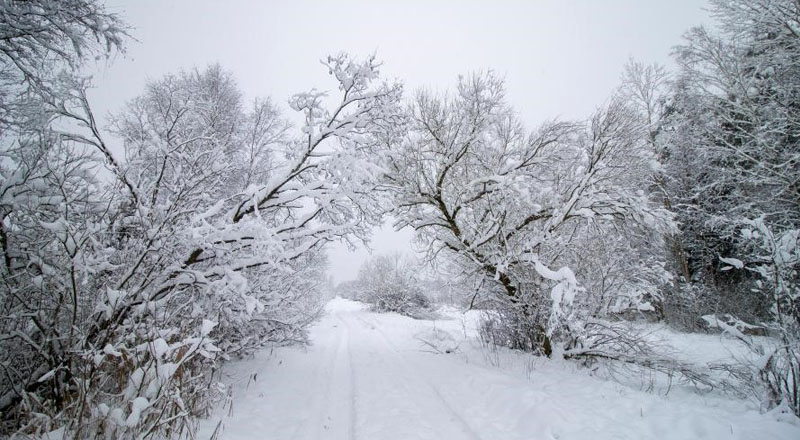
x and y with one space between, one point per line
508 327
168 381
389 283
348 289
780 375
684 306
775 258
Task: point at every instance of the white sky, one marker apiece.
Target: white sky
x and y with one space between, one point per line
560 58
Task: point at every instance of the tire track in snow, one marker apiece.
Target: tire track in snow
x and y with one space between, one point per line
351 381
334 420
326 417
414 374
316 416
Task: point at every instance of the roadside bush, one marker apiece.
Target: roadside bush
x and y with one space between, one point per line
509 327
389 283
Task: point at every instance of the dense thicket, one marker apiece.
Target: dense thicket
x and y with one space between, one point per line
730 134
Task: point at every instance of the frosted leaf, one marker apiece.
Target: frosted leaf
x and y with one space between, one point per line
139 404
116 415
160 348
733 262
47 375
645 307
166 371
206 327
110 350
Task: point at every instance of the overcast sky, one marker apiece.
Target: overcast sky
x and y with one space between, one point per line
560 58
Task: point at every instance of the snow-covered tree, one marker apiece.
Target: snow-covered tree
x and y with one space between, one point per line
512 205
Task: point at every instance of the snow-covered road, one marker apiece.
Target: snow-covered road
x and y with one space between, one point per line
369 376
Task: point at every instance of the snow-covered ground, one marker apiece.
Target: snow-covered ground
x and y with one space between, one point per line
385 376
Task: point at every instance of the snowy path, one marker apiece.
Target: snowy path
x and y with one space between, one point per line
367 376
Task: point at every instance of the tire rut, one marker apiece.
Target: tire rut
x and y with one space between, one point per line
415 374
